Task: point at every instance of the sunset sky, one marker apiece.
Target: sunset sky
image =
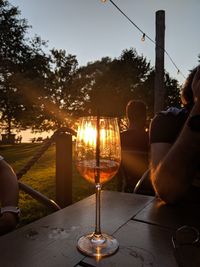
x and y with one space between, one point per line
91 29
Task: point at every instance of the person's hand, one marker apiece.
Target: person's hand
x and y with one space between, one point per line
196 86
8 222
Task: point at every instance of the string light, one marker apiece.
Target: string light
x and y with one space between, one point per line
145 35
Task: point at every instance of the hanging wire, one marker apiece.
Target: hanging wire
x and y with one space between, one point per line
145 35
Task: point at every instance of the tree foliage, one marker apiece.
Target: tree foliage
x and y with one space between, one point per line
57 103
12 50
20 59
112 83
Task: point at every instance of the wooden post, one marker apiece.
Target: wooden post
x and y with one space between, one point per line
64 169
159 93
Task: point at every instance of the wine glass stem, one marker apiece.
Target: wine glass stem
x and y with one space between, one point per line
98 208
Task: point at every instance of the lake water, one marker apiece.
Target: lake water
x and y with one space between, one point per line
27 135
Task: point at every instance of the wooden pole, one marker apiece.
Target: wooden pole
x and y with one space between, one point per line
64 169
159 92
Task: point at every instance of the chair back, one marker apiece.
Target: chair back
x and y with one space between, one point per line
144 185
133 165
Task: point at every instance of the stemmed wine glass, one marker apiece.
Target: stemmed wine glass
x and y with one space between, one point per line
97 156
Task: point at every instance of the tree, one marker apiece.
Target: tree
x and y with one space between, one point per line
60 97
19 58
58 105
112 83
172 98
115 82
11 50
87 77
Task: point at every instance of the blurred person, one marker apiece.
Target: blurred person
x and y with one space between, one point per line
175 146
134 145
9 191
136 136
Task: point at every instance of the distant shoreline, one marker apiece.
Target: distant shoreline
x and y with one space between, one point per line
28 135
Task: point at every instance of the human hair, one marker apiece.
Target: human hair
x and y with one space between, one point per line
186 91
136 112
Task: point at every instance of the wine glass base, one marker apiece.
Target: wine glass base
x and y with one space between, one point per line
97 246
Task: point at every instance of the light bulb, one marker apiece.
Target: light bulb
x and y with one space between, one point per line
143 37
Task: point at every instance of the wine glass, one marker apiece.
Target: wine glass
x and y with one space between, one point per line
98 156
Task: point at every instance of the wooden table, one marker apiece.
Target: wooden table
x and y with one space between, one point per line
141 224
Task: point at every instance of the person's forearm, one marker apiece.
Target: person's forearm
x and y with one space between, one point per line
8 197
8 185
173 176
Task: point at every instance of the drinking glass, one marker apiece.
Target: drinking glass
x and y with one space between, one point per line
98 156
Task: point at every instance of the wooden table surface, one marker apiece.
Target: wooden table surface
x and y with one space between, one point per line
141 224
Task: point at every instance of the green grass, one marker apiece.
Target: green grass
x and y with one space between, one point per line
42 178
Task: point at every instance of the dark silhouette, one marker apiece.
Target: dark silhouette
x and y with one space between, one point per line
8 198
134 143
136 136
18 139
175 146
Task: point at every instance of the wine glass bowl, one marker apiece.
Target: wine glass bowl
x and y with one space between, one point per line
97 157
109 148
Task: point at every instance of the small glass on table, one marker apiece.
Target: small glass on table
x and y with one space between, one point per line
98 156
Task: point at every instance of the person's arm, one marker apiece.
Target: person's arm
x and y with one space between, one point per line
8 197
173 167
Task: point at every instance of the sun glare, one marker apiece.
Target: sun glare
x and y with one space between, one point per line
88 134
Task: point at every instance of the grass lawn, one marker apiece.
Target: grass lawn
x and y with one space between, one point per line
42 178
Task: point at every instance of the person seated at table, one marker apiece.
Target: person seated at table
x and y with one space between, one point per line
134 144
136 136
175 145
8 198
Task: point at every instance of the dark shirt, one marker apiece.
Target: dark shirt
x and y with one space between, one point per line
165 128
166 125
134 139
134 164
